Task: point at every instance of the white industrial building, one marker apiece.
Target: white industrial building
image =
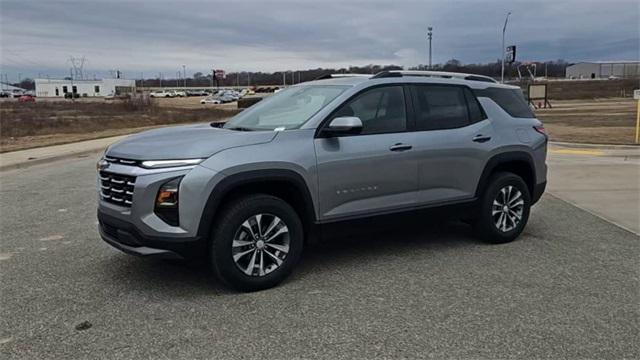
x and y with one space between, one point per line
603 70
84 88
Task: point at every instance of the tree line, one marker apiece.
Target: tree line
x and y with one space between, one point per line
555 69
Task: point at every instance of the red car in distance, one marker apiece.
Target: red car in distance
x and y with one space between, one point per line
26 98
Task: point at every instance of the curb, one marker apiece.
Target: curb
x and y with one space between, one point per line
37 161
595 146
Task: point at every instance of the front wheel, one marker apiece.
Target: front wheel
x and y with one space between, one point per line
256 242
503 209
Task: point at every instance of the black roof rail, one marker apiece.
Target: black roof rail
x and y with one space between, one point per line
434 74
323 77
334 76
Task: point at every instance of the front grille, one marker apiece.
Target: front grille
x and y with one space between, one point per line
116 188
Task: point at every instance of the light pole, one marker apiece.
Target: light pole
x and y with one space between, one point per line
430 36
504 29
184 76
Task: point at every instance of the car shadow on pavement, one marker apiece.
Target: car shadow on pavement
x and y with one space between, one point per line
371 239
339 249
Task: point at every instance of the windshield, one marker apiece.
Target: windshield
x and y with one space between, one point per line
288 109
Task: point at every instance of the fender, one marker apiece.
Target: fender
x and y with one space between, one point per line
503 158
231 182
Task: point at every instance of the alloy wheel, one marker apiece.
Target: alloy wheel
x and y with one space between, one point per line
508 208
260 244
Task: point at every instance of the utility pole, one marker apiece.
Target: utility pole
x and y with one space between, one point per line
504 29
184 72
160 77
430 36
213 75
177 78
73 98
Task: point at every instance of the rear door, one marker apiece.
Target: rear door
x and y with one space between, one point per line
374 171
453 137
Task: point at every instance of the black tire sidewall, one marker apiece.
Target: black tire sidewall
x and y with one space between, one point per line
485 226
225 229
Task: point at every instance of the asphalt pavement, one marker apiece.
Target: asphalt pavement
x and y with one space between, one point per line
567 288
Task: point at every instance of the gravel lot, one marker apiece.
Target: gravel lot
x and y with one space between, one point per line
568 288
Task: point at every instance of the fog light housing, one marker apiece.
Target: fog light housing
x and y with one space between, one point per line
166 207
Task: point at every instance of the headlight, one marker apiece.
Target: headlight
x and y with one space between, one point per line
166 207
156 164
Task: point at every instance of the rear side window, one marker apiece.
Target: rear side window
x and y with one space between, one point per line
440 107
510 100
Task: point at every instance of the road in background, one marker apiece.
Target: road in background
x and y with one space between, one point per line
568 288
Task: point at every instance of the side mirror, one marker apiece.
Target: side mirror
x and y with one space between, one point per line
342 126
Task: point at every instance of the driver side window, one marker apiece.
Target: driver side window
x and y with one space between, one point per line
381 110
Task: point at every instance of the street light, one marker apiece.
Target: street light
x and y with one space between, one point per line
504 29
430 36
184 76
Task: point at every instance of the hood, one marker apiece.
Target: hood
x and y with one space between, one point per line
184 142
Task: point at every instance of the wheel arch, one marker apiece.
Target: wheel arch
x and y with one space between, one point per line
518 162
285 184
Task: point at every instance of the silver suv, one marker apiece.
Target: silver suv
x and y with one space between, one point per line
249 195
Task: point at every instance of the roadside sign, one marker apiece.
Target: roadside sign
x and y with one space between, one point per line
220 74
511 54
636 95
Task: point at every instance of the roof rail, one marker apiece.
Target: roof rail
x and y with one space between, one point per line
437 74
333 76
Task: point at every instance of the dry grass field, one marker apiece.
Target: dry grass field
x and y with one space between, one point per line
28 125
47 122
599 121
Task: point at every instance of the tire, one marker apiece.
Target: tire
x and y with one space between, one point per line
496 228
231 239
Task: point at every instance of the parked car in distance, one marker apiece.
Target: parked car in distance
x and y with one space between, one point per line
69 95
211 100
26 98
180 93
161 94
248 196
5 94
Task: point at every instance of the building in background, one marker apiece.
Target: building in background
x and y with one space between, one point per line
84 88
603 70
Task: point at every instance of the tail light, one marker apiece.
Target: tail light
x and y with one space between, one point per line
540 129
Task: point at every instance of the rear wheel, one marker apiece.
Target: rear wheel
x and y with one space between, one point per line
504 209
256 242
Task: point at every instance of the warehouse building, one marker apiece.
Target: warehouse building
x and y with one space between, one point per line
84 88
603 70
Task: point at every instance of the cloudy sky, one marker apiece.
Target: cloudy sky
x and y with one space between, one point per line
38 37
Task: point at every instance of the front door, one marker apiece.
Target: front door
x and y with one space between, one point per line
374 171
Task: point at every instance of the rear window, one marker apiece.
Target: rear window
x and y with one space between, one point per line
510 100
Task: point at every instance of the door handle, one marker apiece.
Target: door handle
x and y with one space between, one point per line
400 147
481 138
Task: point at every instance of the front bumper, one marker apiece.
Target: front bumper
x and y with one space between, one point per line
126 237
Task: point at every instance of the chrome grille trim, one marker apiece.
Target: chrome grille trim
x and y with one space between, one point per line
117 188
